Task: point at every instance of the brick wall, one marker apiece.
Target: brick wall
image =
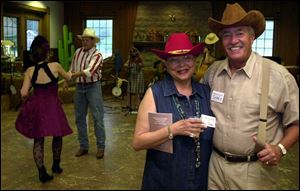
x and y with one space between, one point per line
189 16
156 15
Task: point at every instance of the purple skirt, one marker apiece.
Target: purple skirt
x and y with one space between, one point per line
42 115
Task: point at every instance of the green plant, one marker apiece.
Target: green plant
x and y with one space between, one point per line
66 49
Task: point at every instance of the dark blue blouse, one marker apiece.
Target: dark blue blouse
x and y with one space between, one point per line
177 171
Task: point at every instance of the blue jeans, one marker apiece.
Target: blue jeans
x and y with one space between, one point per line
89 96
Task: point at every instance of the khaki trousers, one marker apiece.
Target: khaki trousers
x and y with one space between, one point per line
224 175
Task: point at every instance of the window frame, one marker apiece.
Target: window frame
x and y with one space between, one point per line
39 28
23 12
112 30
17 27
254 45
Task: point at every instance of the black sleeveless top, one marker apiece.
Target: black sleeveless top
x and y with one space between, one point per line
45 66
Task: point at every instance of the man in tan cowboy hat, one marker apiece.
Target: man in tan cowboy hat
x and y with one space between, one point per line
86 67
208 57
211 38
242 158
178 152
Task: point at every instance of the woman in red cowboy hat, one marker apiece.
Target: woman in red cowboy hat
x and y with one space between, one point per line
178 143
239 160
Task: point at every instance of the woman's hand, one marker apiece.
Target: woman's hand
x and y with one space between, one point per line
70 75
191 127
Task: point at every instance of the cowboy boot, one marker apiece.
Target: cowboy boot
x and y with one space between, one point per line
56 167
43 175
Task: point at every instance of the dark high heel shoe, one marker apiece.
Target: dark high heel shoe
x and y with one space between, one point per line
55 167
43 175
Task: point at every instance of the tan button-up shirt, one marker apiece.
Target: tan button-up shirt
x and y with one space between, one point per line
238 113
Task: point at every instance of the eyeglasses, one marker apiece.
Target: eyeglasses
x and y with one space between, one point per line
175 61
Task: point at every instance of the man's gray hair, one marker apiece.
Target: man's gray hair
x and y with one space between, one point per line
251 31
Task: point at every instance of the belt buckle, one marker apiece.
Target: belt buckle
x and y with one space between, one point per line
248 158
227 156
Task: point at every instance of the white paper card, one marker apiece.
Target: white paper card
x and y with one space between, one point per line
217 96
208 120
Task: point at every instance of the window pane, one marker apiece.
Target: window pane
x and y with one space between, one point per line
104 30
268 52
260 43
103 23
269 34
270 25
264 43
109 23
32 31
96 24
10 26
269 44
89 24
261 51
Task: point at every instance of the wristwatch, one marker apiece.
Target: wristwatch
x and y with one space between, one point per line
170 134
282 148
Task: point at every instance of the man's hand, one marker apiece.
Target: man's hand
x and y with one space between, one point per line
269 155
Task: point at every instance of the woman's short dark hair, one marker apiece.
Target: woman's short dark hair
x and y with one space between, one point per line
39 49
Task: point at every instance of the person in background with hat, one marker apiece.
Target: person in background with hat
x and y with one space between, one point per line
239 160
186 99
86 67
210 40
136 84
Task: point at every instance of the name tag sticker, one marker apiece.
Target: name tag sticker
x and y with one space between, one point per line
217 96
208 120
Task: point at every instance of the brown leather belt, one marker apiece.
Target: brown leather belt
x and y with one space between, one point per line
237 158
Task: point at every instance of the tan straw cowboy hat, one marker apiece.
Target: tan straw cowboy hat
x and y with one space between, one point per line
179 44
211 38
234 15
89 32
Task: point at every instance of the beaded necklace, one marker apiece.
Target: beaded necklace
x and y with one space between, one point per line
183 116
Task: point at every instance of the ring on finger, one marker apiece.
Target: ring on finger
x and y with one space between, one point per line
267 162
192 135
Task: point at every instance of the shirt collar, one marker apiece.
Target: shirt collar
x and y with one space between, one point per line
90 50
170 88
248 68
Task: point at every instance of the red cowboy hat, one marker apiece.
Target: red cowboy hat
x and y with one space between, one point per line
234 15
179 44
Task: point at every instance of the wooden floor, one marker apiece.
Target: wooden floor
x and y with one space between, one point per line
121 168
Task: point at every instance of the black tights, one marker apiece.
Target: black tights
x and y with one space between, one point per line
38 150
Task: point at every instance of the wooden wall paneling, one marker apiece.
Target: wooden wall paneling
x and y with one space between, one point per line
72 18
288 33
122 13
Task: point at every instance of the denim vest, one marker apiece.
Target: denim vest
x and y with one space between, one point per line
177 171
